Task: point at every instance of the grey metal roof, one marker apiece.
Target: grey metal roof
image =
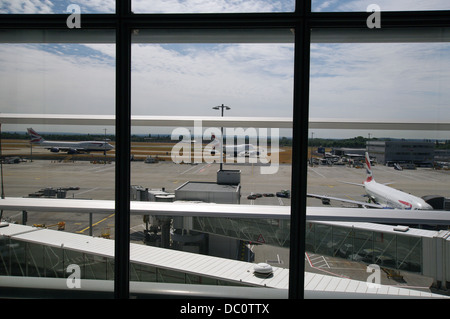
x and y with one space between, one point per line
416 232
212 267
202 265
433 217
328 284
207 186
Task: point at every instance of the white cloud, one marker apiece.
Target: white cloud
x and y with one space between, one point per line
26 6
380 81
211 6
100 6
35 81
254 79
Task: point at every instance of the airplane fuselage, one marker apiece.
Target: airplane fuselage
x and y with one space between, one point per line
393 198
88 146
239 148
69 147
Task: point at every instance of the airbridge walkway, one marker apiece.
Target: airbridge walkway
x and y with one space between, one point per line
330 231
419 251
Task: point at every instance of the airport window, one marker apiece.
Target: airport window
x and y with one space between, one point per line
142 6
345 66
140 77
57 78
368 6
192 73
56 7
48 72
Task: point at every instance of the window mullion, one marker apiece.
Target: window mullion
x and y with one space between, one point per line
123 132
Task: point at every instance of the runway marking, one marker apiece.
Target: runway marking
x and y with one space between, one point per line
104 169
141 227
95 224
393 171
277 261
86 191
312 169
321 269
202 169
320 260
188 170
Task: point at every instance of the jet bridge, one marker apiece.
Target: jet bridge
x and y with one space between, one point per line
330 231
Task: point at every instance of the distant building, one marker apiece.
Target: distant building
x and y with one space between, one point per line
390 152
345 151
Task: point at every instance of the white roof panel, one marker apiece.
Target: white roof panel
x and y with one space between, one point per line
202 265
323 214
383 228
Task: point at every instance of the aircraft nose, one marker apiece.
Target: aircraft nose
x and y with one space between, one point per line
424 206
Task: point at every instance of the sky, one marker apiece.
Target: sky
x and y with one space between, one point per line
395 81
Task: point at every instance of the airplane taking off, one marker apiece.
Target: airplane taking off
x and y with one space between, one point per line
69 147
382 195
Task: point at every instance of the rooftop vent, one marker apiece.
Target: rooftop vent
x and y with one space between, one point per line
263 269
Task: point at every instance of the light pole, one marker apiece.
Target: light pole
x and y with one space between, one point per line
104 144
221 130
221 107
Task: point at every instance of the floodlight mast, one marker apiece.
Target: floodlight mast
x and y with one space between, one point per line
222 107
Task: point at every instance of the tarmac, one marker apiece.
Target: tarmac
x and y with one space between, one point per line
86 180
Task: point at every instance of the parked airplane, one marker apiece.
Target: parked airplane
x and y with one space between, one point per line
241 150
381 195
69 147
245 150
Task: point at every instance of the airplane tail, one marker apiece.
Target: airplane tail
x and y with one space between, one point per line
35 137
215 144
368 169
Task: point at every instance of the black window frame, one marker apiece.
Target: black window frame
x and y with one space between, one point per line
302 20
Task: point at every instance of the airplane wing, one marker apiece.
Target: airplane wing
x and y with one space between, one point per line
350 183
325 199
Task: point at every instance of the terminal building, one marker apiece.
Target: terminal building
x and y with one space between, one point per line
390 152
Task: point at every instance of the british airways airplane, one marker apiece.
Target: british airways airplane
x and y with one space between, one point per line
381 195
240 150
69 147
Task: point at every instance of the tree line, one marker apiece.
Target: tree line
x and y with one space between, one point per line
355 142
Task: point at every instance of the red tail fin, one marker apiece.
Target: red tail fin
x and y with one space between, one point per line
35 137
368 169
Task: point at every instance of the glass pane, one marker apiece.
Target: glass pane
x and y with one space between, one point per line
197 79
382 5
56 7
388 99
48 92
215 6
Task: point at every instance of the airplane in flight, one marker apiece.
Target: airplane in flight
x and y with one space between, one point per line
381 195
69 147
